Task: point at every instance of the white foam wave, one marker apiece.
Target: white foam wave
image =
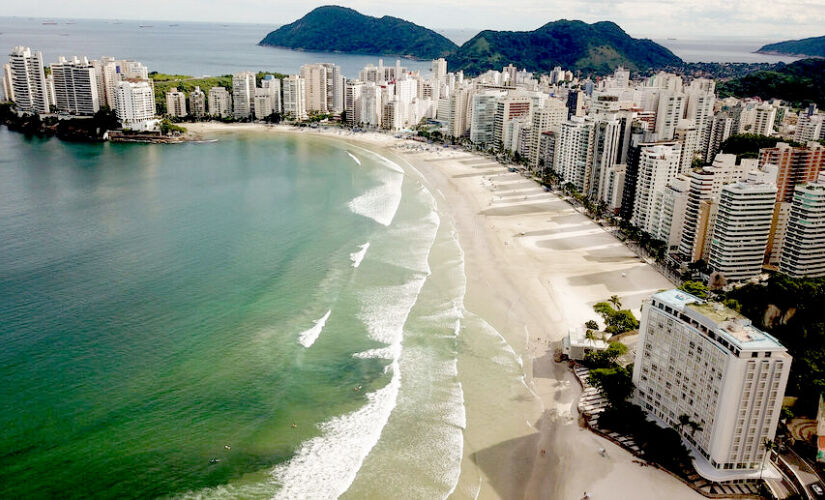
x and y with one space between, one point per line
357 257
354 158
381 203
308 337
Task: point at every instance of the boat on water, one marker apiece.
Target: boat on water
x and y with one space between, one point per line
49 23
145 26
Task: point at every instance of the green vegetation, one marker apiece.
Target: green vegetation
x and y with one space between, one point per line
799 83
617 320
167 127
89 129
809 47
590 48
748 145
339 29
695 288
164 83
607 357
791 310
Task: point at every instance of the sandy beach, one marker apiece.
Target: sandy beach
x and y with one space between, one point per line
534 266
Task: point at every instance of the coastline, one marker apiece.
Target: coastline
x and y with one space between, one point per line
531 288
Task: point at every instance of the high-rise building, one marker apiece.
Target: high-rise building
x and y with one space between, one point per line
220 102
197 102
742 227
668 114
703 197
107 74
243 94
175 103
272 86
28 81
508 108
796 166
575 103
133 70
8 88
803 250
295 97
135 104
658 165
574 152
808 128
764 119
711 364
606 130
719 129
688 136
75 86
700 101
482 124
546 118
668 217
439 69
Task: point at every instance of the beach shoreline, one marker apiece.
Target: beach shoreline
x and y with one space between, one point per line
534 268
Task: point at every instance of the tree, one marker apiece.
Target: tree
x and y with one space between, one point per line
616 301
622 321
591 325
684 420
606 358
769 447
616 384
695 288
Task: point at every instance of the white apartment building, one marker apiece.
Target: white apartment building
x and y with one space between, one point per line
175 103
546 118
315 78
710 363
668 218
107 74
742 227
197 102
808 128
263 103
75 86
688 135
439 69
507 109
133 70
243 94
371 108
700 100
295 97
220 102
135 105
658 165
574 153
28 81
8 89
803 251
482 122
272 86
703 198
764 119
606 131
719 129
670 111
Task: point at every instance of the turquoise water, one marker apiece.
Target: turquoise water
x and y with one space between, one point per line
270 293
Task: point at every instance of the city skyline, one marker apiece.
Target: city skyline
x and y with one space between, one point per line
800 19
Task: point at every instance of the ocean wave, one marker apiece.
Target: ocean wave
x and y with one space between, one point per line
381 203
357 257
354 158
308 337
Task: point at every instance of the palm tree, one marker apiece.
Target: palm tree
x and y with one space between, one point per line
616 301
684 420
769 447
694 427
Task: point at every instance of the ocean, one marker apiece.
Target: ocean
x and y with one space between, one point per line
198 49
275 295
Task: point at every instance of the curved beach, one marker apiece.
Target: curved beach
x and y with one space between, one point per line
534 267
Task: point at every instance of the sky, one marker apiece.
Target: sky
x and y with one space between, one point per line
765 19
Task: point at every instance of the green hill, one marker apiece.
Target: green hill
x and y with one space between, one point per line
591 48
799 83
807 47
339 29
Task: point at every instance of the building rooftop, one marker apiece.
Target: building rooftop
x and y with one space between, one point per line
723 321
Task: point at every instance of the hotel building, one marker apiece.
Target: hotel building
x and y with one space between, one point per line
708 362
